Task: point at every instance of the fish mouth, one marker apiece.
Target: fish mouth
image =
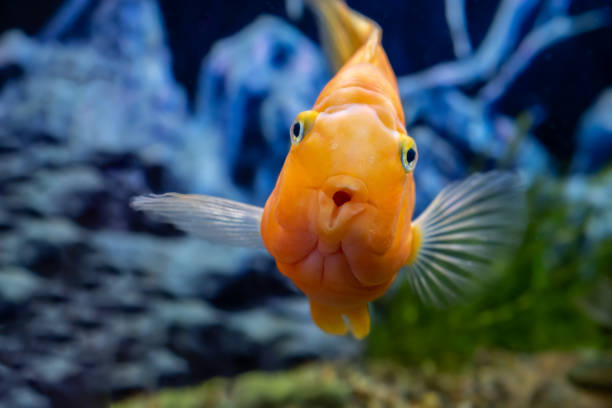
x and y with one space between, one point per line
341 199
343 188
334 223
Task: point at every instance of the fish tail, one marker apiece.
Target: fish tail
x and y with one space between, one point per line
344 31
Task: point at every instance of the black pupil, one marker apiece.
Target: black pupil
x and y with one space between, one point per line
410 155
296 129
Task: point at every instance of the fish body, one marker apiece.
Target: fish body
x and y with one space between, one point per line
339 220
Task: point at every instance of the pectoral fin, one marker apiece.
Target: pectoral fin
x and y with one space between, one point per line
217 220
467 226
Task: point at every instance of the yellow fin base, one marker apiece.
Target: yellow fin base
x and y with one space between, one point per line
415 245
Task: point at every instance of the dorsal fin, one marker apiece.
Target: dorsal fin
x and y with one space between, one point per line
343 31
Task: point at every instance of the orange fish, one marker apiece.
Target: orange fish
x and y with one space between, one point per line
339 221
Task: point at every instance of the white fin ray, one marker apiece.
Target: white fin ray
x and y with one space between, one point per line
217 220
467 226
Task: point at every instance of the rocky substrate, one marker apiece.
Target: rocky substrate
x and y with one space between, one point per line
491 379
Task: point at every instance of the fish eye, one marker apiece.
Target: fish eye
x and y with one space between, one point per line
297 132
409 156
302 125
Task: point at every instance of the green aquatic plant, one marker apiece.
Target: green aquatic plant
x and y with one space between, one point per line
531 306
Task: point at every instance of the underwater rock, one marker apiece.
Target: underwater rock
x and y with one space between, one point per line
131 29
17 285
56 192
96 300
594 373
491 380
137 303
26 397
251 86
108 98
130 318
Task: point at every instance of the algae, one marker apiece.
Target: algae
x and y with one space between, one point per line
302 387
490 379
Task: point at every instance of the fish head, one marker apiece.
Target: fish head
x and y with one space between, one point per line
340 214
